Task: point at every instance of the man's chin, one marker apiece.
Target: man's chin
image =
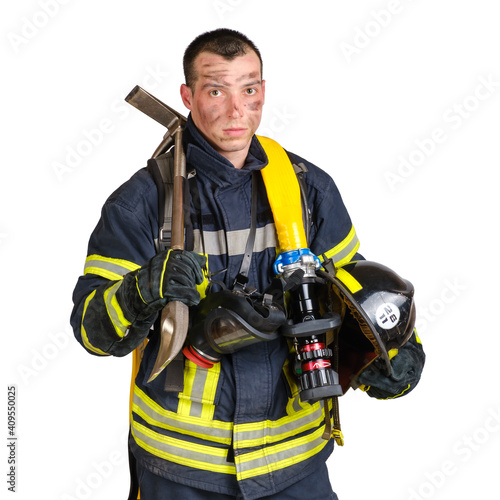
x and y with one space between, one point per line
233 144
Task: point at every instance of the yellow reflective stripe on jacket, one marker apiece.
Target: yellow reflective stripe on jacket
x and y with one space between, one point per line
182 452
200 386
114 310
206 457
272 458
345 250
111 269
294 404
86 341
263 433
154 414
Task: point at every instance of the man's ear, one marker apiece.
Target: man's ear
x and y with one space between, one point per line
186 96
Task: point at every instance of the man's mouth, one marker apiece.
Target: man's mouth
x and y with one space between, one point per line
235 131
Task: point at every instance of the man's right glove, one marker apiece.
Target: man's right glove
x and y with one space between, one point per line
168 276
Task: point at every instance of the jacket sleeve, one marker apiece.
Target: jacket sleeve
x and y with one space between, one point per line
122 242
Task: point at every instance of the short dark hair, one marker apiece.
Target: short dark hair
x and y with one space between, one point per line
222 42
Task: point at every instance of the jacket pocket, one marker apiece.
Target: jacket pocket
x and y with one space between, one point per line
201 390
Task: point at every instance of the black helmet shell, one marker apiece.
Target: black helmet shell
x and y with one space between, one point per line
381 302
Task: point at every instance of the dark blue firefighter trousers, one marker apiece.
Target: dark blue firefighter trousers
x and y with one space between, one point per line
154 487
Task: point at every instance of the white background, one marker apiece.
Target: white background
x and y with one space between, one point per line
354 87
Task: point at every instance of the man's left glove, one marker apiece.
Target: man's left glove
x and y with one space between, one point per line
406 369
168 276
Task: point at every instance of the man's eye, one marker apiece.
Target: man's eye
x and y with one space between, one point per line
250 91
215 93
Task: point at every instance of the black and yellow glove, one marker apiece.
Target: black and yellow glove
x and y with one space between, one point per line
407 364
169 276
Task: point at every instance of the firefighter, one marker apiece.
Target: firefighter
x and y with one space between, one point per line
239 428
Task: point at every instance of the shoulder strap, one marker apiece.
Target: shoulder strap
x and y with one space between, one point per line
300 169
242 277
161 169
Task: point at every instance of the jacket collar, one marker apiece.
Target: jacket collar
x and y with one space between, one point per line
207 162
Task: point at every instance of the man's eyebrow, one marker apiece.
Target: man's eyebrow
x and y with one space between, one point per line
213 84
214 81
254 77
253 82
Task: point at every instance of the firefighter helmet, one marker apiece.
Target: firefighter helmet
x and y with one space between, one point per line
381 303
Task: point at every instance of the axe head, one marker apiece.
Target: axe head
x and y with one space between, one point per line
154 108
174 327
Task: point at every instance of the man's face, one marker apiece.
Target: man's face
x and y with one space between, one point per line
226 102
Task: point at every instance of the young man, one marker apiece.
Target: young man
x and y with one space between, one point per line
238 429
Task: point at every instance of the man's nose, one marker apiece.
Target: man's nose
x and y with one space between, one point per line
235 107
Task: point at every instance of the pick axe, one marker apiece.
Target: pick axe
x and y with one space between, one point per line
175 315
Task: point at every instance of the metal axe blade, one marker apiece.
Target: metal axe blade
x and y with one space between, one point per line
174 325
